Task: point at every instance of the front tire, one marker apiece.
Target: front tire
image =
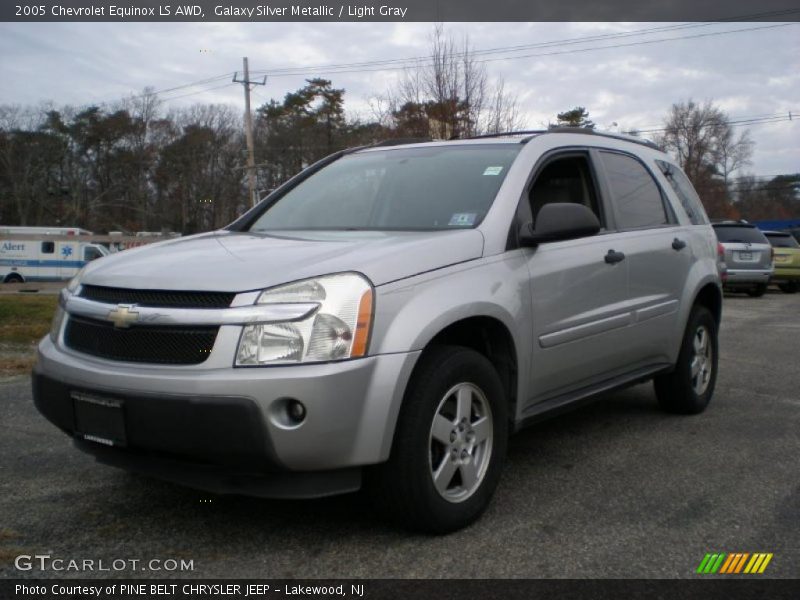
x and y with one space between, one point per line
689 387
449 444
788 287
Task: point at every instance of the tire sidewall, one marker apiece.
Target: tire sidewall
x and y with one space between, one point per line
700 316
445 369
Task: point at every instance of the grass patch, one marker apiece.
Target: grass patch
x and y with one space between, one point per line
24 320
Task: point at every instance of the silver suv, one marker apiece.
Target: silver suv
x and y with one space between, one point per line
746 255
388 317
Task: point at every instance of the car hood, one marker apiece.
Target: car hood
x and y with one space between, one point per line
238 261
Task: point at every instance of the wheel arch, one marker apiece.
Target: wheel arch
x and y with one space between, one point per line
710 296
14 276
490 337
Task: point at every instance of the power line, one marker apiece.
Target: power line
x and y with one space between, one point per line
169 90
301 71
503 49
385 65
411 60
735 122
203 91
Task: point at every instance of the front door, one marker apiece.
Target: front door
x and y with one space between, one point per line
579 289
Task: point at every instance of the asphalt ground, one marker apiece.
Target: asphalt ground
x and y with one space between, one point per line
614 489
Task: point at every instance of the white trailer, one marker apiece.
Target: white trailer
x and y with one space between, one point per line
25 256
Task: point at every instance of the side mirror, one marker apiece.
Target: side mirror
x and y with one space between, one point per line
559 221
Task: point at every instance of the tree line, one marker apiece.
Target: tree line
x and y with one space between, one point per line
137 166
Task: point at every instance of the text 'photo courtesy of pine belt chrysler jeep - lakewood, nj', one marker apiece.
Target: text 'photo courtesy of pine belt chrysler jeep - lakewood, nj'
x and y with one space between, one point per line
388 317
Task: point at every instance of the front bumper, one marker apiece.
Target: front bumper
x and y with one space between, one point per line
182 423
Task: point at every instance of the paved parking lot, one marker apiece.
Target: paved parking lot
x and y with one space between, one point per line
615 489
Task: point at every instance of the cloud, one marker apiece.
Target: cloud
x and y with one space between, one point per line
747 73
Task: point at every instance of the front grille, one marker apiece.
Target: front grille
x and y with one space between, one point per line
168 345
158 298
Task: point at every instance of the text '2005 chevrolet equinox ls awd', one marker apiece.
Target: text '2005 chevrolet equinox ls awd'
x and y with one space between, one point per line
388 317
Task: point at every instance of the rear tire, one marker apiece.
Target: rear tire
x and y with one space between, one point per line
788 287
689 387
757 291
13 278
449 444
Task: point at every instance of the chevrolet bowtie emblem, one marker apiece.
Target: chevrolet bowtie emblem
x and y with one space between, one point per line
123 316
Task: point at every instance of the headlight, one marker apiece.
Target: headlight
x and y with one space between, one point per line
58 319
75 282
339 329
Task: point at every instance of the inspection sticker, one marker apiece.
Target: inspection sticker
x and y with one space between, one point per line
462 219
493 170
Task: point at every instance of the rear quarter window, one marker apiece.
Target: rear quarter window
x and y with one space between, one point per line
685 192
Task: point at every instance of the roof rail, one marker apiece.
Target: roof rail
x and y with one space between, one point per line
583 130
616 136
528 132
399 142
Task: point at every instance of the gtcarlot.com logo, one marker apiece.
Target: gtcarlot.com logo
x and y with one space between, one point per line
734 563
45 562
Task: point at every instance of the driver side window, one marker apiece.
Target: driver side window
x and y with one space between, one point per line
565 179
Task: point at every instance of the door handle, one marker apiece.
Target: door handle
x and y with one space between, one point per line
614 257
678 244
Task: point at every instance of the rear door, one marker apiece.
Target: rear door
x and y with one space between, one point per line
657 251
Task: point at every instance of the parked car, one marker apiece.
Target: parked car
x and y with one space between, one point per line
747 256
786 259
388 317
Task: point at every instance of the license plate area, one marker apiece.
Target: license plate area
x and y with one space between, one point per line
99 419
745 256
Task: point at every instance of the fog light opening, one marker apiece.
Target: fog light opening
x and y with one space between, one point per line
296 411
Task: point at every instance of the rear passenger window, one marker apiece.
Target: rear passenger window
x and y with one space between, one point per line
636 195
685 192
48 247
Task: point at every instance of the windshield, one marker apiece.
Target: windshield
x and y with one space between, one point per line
422 188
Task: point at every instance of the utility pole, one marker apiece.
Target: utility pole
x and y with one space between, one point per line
248 128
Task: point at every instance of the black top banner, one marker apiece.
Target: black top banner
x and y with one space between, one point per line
398 10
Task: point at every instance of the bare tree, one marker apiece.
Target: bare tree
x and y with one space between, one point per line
502 112
450 94
733 153
702 139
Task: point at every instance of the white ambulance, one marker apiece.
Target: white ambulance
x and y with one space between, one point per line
33 259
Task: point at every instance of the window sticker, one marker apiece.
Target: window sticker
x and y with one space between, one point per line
462 219
493 170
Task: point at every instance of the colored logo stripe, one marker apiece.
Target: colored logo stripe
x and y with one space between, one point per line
711 563
734 563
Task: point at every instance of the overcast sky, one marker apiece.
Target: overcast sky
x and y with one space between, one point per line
752 73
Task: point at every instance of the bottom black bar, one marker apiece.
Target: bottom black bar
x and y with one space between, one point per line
710 587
